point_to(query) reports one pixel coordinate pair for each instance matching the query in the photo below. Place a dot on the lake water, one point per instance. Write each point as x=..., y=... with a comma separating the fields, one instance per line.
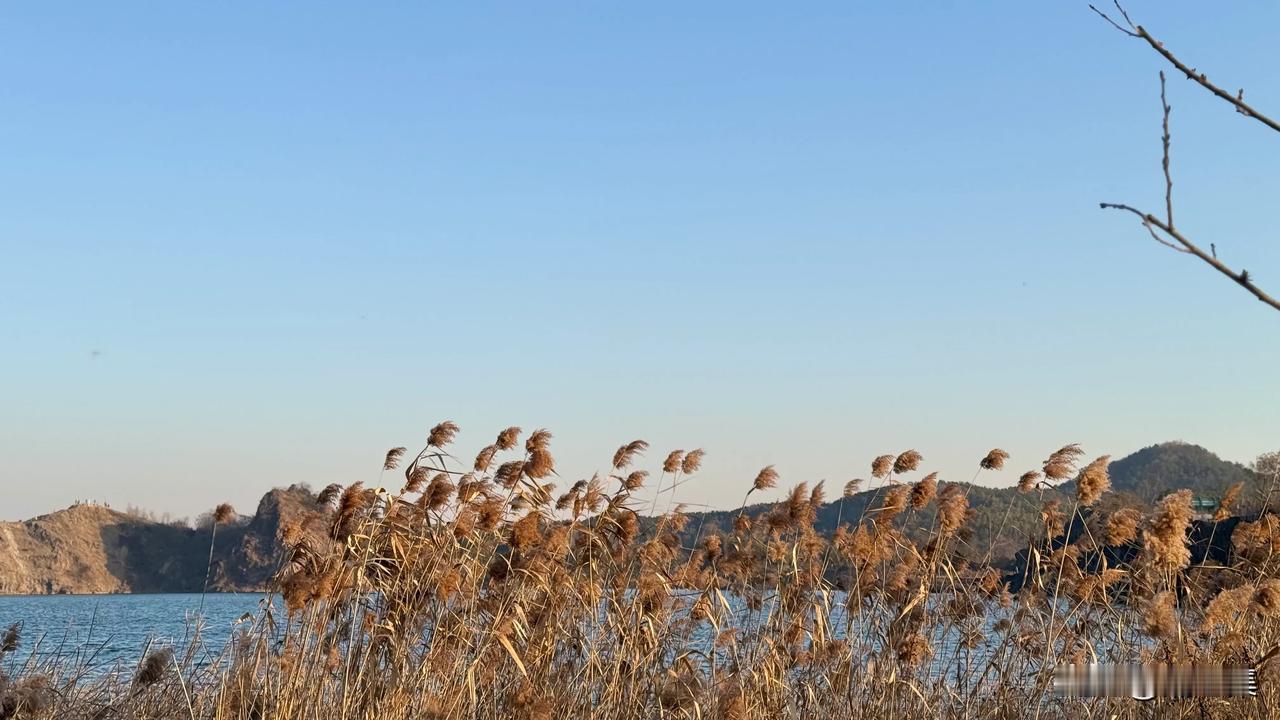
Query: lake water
x=103, y=631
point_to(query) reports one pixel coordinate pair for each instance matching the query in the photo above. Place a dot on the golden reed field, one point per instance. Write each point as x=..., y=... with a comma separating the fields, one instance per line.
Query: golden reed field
x=486, y=589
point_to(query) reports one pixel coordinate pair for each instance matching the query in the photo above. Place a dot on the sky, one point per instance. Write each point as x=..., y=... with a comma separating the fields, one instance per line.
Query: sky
x=244, y=244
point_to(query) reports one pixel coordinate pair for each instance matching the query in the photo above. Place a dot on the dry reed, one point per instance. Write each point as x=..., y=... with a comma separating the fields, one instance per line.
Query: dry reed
x=486, y=592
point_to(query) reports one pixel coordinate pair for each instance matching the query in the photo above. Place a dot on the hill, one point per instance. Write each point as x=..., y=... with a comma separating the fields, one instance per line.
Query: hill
x=90, y=549
x=1155, y=471
x=1001, y=519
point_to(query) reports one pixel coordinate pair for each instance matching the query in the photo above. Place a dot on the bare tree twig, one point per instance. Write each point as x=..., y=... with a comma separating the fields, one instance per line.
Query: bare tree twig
x=1236, y=100
x=1241, y=278
x=1155, y=236
x=1131, y=32
x=1164, y=162
x=1168, y=235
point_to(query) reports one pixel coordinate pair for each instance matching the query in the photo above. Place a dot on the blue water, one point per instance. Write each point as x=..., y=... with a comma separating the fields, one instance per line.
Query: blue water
x=105, y=632
x=100, y=634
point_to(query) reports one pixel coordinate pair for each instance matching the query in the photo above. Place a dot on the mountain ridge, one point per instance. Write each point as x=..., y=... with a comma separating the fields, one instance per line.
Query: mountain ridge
x=93, y=549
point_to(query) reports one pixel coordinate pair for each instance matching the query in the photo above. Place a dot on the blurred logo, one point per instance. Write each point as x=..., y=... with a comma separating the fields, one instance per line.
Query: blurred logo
x=1147, y=682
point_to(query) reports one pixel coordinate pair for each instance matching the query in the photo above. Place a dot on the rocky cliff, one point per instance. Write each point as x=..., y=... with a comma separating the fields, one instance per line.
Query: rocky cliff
x=92, y=549
x=88, y=549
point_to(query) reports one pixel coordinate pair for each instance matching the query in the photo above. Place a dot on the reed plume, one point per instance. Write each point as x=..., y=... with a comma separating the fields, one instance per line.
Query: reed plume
x=907, y=462
x=11, y=639
x=538, y=440
x=1160, y=618
x=994, y=460
x=881, y=466
x=1093, y=481
x=153, y=668
x=223, y=514
x=393, y=458
x=492, y=592
x=1226, y=608
x=1122, y=526
x=923, y=490
x=895, y=501
x=818, y=495
x=953, y=508
x=354, y=500
x=1053, y=517
x=439, y=491
x=1266, y=599
x=416, y=481
x=1229, y=498
x=635, y=480
x=674, y=462
x=1062, y=463
x=692, y=461
x=442, y=434
x=329, y=494
x=1165, y=536
x=766, y=479
x=508, y=439
x=484, y=458
x=509, y=473
x=540, y=463
x=626, y=454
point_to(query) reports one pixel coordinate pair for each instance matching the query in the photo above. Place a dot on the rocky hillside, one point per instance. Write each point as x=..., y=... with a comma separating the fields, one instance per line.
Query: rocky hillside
x=87, y=549
x=1001, y=519
x=91, y=549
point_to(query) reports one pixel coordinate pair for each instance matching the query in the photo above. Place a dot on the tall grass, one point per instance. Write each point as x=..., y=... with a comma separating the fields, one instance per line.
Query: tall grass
x=484, y=590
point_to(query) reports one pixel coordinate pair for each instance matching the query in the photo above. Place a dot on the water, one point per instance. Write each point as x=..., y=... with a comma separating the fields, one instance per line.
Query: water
x=103, y=633
x=108, y=631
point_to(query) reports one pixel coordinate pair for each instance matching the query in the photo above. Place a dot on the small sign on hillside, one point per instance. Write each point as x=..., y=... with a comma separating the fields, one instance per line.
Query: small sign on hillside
x=1204, y=504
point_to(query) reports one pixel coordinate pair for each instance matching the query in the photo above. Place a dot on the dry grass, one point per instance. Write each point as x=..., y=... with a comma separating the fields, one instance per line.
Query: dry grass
x=482, y=590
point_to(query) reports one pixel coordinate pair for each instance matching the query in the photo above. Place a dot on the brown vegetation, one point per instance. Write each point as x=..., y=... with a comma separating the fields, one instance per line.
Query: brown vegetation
x=491, y=594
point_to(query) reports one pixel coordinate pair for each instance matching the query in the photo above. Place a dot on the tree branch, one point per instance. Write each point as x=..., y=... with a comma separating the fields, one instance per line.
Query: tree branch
x=1236, y=100
x=1164, y=161
x=1168, y=235
x=1151, y=221
x=1131, y=32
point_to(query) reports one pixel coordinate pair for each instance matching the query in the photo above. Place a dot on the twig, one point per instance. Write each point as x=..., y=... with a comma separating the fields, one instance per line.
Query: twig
x=1168, y=179
x=1130, y=32
x=1241, y=278
x=1236, y=100
x=1179, y=242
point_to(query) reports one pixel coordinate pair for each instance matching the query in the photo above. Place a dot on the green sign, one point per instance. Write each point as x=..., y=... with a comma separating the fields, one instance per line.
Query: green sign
x=1204, y=503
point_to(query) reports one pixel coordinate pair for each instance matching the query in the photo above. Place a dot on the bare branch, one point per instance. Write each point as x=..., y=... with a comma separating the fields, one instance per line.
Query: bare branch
x=1241, y=278
x=1151, y=229
x=1168, y=179
x=1168, y=235
x=1115, y=24
x=1236, y=100
x=1162, y=241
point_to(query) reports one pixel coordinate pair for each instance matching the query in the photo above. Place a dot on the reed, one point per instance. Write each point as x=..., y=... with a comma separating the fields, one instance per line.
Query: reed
x=483, y=590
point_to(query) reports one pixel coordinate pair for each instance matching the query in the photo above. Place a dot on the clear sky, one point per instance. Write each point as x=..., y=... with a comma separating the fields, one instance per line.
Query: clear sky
x=246, y=244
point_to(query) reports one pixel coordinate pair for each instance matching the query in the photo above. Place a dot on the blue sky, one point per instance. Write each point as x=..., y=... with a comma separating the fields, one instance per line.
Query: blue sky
x=246, y=245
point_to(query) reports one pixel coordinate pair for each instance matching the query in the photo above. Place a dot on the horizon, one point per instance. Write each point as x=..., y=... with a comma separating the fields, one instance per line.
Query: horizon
x=766, y=497
x=248, y=248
